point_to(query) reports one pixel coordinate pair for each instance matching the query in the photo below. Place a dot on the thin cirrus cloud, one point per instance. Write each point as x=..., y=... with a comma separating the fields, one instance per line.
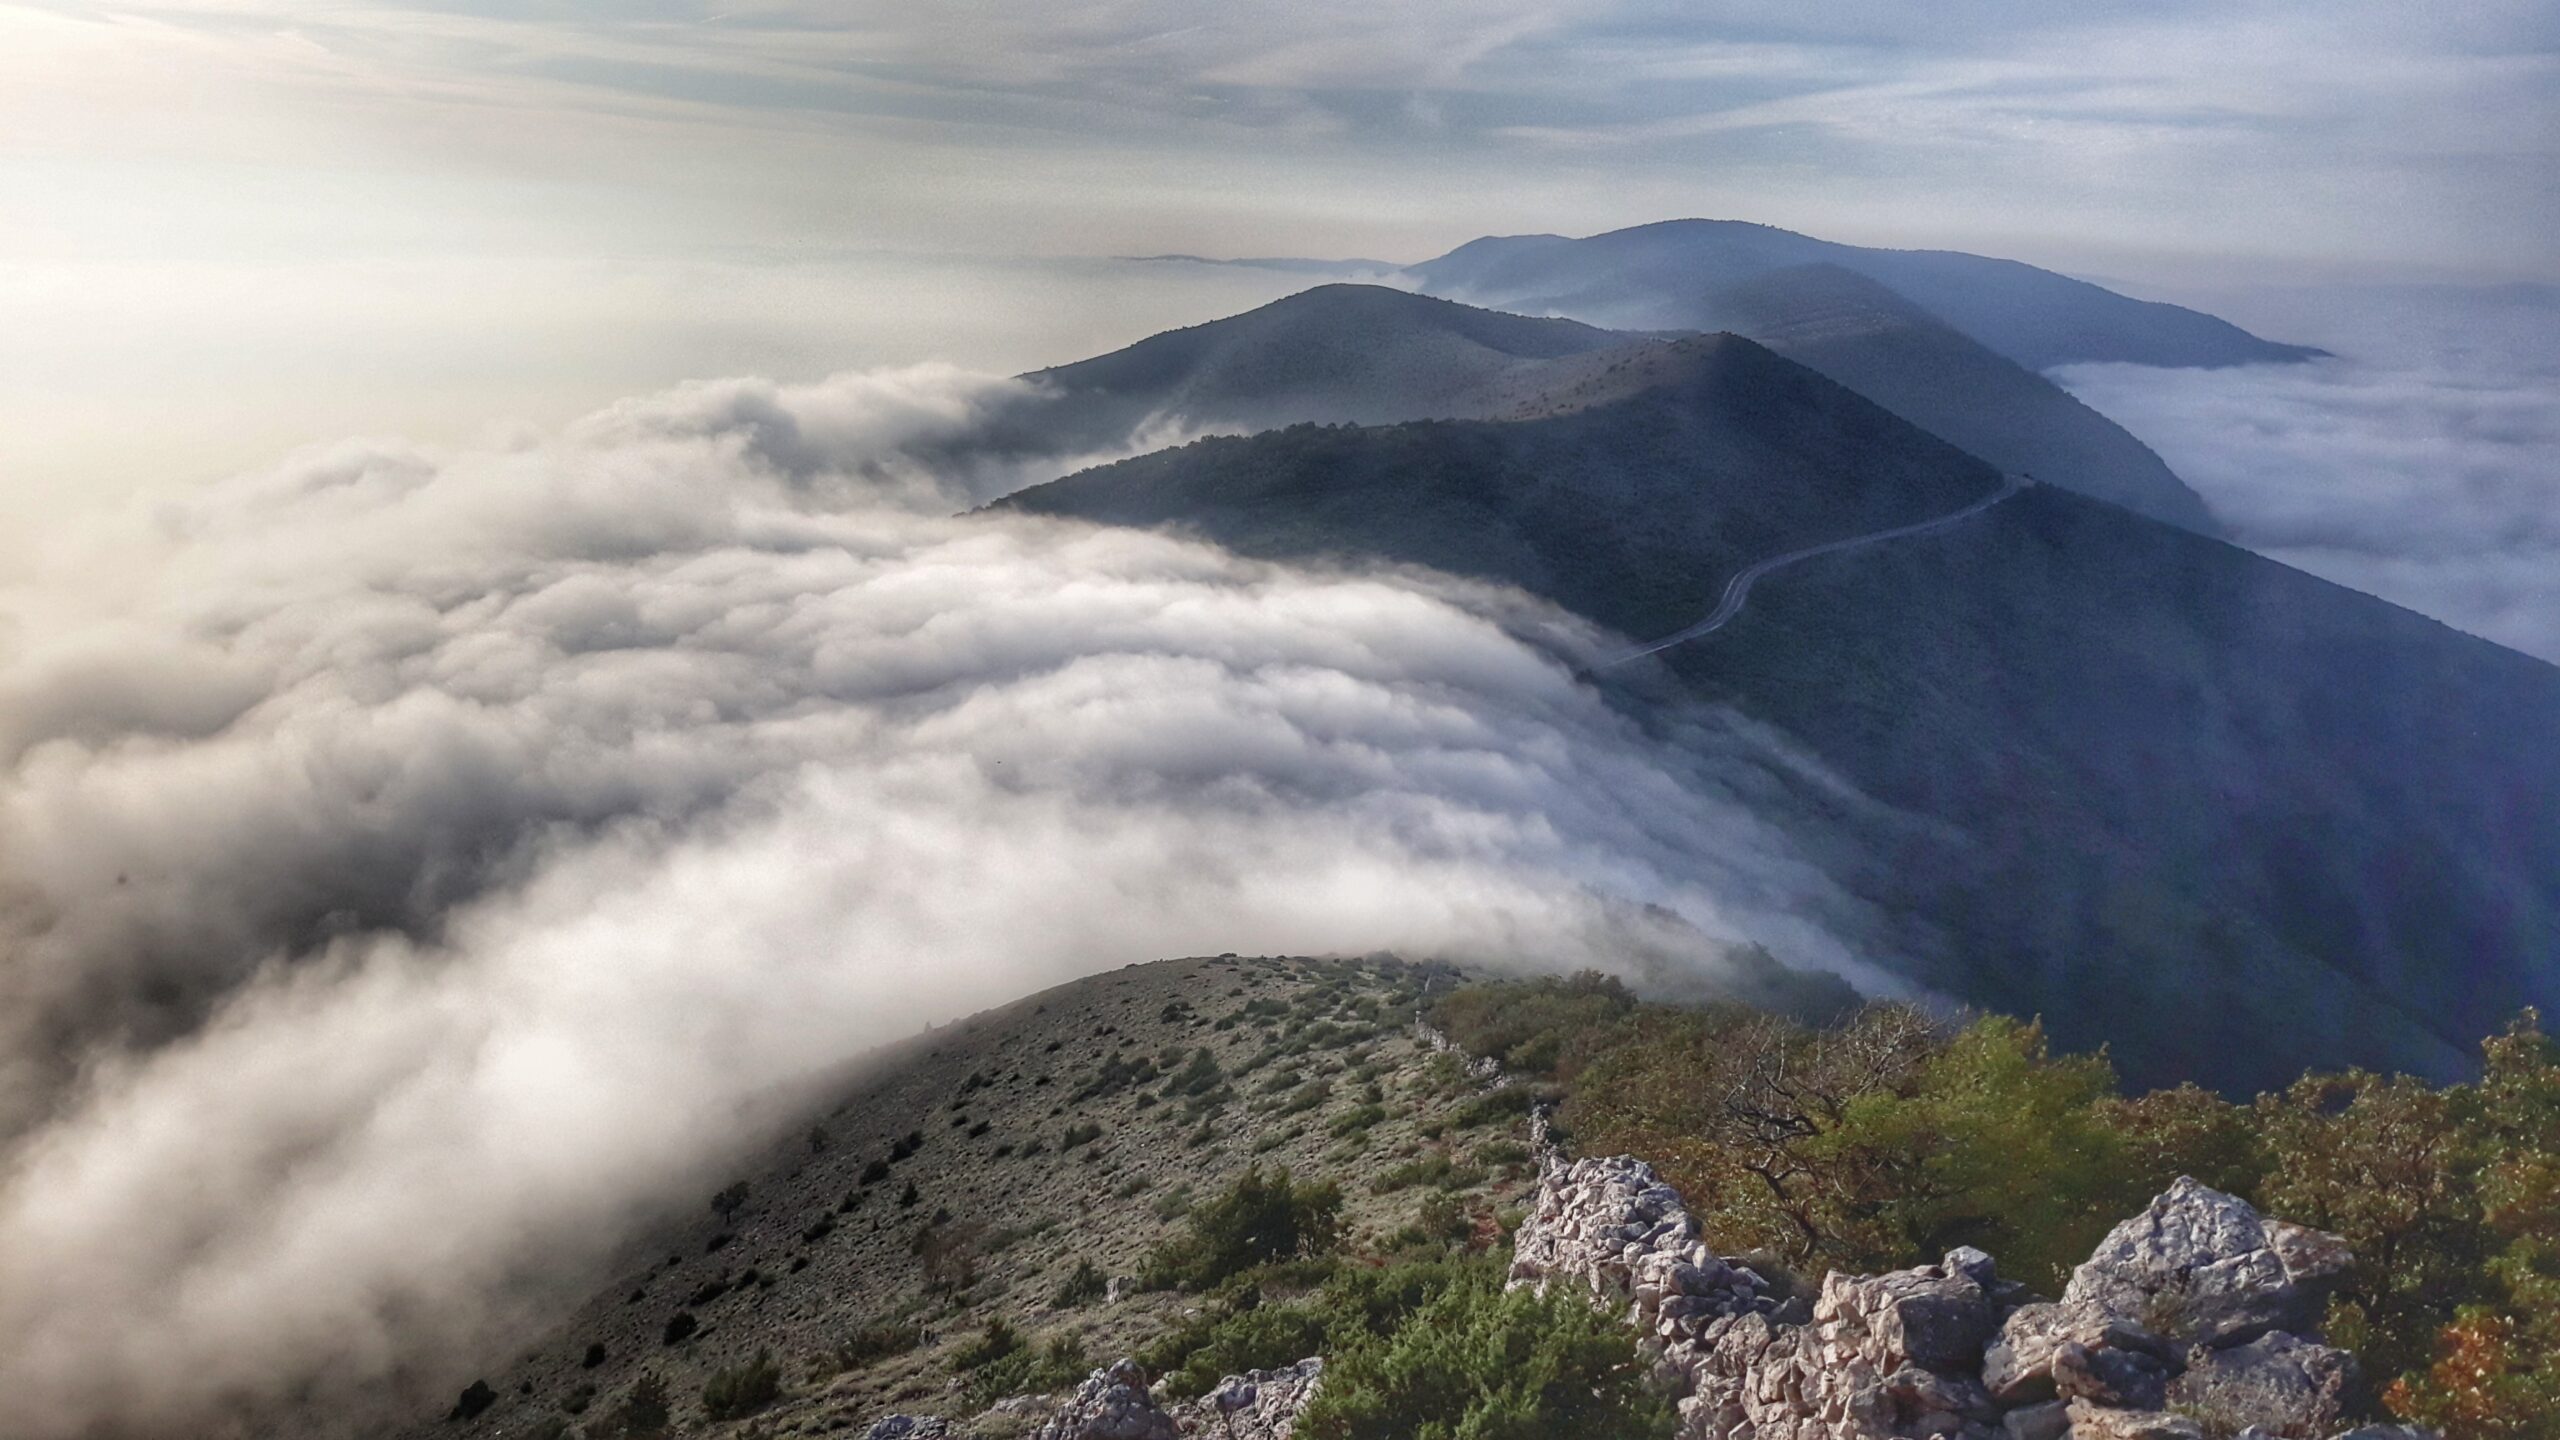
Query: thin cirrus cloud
x=2210, y=122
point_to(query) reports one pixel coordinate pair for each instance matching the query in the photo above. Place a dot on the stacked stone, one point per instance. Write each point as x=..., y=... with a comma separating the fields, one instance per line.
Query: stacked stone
x=2197, y=1306
x=909, y=1427
x=1880, y=1356
x=1257, y=1405
x=2197, y=1314
x=1112, y=1404
x=1483, y=1069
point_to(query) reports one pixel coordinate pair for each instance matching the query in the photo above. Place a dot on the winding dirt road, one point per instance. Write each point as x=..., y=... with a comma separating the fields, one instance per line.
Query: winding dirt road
x=1738, y=589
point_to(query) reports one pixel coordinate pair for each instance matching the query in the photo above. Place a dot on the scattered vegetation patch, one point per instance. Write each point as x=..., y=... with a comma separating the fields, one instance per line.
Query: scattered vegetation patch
x=1262, y=1217
x=1027, y=1370
x=742, y=1389
x=643, y=1413
x=1083, y=1285
x=1477, y=1361
x=1885, y=1138
x=873, y=1343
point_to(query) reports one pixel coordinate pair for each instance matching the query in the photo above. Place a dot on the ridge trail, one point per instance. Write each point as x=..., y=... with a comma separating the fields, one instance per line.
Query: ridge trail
x=1738, y=589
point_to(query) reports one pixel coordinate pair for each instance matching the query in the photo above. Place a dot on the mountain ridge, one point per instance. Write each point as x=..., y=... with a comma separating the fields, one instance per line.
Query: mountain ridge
x=2170, y=767
x=1368, y=354
x=1655, y=276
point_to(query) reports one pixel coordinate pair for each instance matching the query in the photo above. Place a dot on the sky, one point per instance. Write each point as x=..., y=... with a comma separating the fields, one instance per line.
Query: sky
x=282, y=220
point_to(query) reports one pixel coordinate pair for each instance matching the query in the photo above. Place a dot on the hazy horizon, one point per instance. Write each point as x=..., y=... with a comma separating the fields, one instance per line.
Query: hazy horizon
x=289, y=223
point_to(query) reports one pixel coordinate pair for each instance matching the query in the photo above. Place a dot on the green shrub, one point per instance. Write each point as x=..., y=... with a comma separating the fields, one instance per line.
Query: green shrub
x=1355, y=1121
x=994, y=1343
x=743, y=1389
x=1437, y=1170
x=1478, y=1362
x=1494, y=1107
x=1264, y=1216
x=1265, y=1337
x=643, y=1413
x=1444, y=1217
x=873, y=1343
x=1084, y=1285
x=1025, y=1370
x=1199, y=1077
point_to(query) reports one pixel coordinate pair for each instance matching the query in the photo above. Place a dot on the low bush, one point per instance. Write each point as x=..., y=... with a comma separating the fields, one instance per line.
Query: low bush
x=1084, y=1285
x=742, y=1389
x=1478, y=1362
x=1355, y=1121
x=1264, y=1216
x=994, y=1343
x=642, y=1415
x=873, y=1343
x=1027, y=1370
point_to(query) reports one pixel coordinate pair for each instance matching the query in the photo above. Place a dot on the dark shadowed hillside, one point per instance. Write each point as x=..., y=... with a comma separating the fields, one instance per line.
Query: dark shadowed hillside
x=1365, y=354
x=1888, y=349
x=1658, y=277
x=2227, y=818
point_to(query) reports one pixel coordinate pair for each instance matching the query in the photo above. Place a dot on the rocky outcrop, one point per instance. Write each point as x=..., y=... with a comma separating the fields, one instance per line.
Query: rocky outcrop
x=2204, y=1268
x=909, y=1427
x=1880, y=1356
x=1112, y=1404
x=2195, y=1318
x=1257, y=1405
x=1613, y=1226
x=2282, y=1384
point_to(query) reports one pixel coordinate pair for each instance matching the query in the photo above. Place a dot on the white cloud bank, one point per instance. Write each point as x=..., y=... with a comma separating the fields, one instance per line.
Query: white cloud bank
x=414, y=865
x=2422, y=465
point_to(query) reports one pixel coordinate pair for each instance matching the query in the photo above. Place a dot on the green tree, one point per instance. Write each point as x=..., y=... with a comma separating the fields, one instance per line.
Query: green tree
x=2496, y=1371
x=1990, y=1117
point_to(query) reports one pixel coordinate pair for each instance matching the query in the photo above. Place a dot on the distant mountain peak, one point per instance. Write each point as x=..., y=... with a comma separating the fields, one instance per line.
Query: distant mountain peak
x=1652, y=277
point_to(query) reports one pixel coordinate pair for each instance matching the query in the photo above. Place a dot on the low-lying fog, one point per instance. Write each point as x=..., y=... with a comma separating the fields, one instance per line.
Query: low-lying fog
x=416, y=865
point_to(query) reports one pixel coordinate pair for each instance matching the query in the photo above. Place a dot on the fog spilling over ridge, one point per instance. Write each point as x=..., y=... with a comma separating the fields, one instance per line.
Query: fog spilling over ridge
x=417, y=866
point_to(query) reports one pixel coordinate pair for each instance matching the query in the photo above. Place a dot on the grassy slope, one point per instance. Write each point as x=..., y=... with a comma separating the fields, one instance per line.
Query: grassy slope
x=1108, y=1200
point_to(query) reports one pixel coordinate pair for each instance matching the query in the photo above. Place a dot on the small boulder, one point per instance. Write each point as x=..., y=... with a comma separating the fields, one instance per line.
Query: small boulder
x=2289, y=1386
x=1112, y=1404
x=2124, y=1379
x=1931, y=1316
x=2206, y=1268
x=2018, y=1365
x=2100, y=1422
x=2048, y=1421
x=909, y=1427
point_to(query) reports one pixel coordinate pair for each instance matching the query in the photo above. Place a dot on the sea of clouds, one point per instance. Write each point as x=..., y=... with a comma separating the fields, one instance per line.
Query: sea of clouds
x=418, y=867
x=2420, y=464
